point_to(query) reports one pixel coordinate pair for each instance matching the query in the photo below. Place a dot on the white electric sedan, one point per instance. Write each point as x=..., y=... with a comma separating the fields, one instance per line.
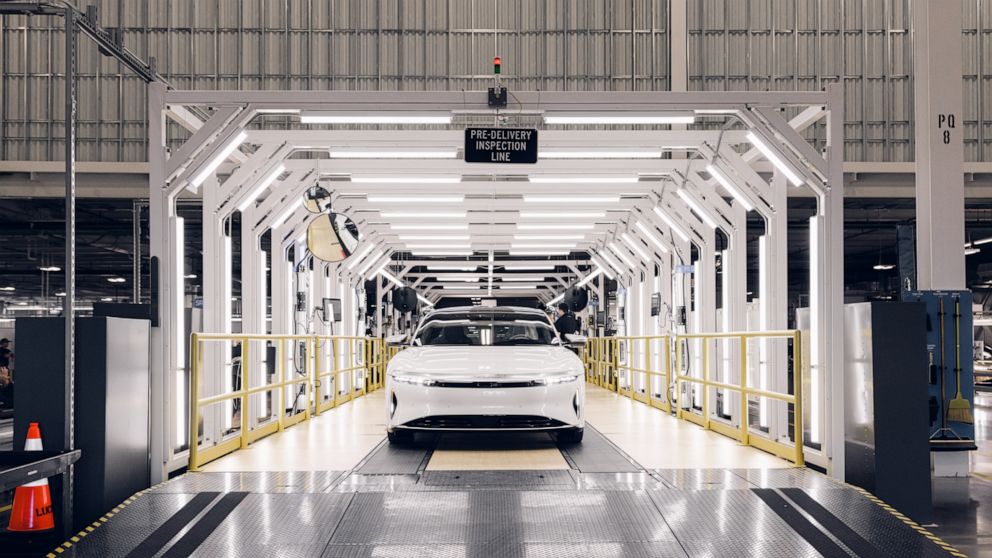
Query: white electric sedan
x=475, y=368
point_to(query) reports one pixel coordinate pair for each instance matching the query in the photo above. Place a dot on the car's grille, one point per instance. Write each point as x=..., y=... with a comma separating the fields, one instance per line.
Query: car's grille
x=488, y=384
x=469, y=422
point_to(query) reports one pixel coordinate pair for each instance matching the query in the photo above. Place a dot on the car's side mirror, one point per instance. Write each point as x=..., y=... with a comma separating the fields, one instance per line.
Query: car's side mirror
x=396, y=340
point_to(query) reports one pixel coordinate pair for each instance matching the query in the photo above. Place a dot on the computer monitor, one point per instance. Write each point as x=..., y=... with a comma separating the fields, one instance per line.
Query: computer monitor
x=332, y=309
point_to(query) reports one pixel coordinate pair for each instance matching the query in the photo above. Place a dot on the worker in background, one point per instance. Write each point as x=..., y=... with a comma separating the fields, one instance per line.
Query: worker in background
x=566, y=322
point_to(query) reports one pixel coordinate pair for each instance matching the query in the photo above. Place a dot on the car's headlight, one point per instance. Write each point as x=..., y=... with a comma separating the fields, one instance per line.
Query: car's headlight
x=555, y=380
x=413, y=380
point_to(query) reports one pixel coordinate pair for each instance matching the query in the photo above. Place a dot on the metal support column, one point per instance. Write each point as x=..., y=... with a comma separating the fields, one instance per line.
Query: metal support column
x=69, y=302
x=939, y=144
x=136, y=252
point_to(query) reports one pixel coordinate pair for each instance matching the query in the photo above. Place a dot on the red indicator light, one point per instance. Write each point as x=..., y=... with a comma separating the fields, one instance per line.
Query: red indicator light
x=497, y=62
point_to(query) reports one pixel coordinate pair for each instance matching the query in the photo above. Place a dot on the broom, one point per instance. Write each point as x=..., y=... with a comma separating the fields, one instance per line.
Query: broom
x=958, y=409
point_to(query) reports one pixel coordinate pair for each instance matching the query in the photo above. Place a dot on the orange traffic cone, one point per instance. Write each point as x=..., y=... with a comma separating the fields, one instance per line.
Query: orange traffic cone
x=32, y=509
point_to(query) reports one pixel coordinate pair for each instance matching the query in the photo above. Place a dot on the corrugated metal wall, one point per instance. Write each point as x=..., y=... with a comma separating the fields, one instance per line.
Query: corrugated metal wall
x=448, y=45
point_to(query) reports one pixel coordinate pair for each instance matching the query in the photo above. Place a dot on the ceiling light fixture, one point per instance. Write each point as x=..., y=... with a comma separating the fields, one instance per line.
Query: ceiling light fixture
x=612, y=263
x=370, y=263
x=404, y=154
x=382, y=271
x=604, y=268
x=422, y=117
x=671, y=224
x=8, y=289
x=406, y=179
x=590, y=277
x=457, y=227
x=116, y=280
x=106, y=299
x=548, y=236
x=730, y=187
x=221, y=156
x=562, y=215
x=262, y=185
x=277, y=111
x=972, y=251
x=582, y=179
x=360, y=256
x=50, y=268
x=704, y=215
x=654, y=240
x=618, y=117
x=562, y=227
x=189, y=276
x=59, y=293
x=586, y=154
x=425, y=300
x=552, y=245
x=616, y=250
x=516, y=252
x=287, y=213
x=373, y=198
x=633, y=244
x=529, y=267
x=441, y=252
x=422, y=214
x=883, y=267
x=406, y=237
x=774, y=159
x=572, y=199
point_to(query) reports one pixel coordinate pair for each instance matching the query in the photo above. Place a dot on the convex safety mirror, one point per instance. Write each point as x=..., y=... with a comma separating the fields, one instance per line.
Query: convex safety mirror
x=317, y=199
x=332, y=237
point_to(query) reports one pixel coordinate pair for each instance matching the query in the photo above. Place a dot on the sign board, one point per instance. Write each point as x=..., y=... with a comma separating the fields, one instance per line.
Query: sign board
x=501, y=145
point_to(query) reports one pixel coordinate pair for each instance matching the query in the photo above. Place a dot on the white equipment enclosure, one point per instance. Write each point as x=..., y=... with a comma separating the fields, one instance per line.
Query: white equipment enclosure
x=636, y=186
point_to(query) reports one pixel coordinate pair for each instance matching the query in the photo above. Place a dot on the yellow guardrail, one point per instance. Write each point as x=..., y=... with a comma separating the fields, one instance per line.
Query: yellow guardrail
x=647, y=382
x=637, y=376
x=327, y=371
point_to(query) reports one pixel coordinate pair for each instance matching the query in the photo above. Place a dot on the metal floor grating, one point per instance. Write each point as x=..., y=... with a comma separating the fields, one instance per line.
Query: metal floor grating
x=255, y=482
x=393, y=459
x=596, y=454
x=126, y=530
x=494, y=479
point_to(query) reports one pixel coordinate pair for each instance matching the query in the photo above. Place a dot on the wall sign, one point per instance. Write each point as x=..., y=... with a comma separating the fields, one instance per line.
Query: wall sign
x=501, y=145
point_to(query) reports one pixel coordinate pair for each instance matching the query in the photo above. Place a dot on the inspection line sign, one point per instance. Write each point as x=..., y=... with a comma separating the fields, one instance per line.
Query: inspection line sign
x=500, y=145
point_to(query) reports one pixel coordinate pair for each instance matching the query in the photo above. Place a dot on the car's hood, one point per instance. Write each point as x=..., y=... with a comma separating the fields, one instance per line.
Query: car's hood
x=474, y=363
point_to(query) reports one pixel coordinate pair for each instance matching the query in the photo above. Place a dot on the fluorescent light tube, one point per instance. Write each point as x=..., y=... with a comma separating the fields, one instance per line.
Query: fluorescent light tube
x=548, y=236
x=287, y=213
x=730, y=187
x=451, y=268
x=606, y=257
x=406, y=237
x=406, y=179
x=572, y=199
x=629, y=154
x=219, y=158
x=422, y=214
x=439, y=246
x=521, y=278
x=589, y=277
x=262, y=185
x=883, y=267
x=456, y=227
x=398, y=154
x=425, y=117
x=582, y=179
x=562, y=227
x=671, y=224
x=616, y=250
x=556, y=299
x=774, y=159
x=604, y=268
x=372, y=198
x=517, y=287
x=654, y=240
x=697, y=208
x=633, y=245
x=441, y=252
x=529, y=267
x=981, y=241
x=382, y=271
x=360, y=256
x=368, y=263
x=971, y=251
x=562, y=215
x=277, y=111
x=618, y=117
x=424, y=299
x=570, y=245
x=515, y=252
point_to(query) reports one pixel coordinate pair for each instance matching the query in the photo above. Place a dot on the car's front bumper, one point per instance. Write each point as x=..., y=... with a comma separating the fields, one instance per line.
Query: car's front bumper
x=487, y=406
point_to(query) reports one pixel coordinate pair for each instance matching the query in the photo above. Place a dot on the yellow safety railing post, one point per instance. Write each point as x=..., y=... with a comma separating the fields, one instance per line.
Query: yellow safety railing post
x=194, y=396
x=678, y=377
x=745, y=411
x=244, y=393
x=281, y=375
x=706, y=383
x=668, y=374
x=798, y=364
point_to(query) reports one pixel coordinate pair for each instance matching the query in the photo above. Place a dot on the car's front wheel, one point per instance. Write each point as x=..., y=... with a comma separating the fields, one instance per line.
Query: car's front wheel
x=399, y=436
x=571, y=436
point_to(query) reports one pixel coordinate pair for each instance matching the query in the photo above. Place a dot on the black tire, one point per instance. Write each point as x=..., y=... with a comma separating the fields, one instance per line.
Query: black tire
x=399, y=436
x=571, y=436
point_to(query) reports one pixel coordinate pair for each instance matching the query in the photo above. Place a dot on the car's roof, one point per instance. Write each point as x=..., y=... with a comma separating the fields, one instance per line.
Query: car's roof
x=489, y=310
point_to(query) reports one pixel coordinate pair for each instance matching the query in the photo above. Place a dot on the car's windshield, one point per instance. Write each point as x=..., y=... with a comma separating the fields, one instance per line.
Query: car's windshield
x=502, y=332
